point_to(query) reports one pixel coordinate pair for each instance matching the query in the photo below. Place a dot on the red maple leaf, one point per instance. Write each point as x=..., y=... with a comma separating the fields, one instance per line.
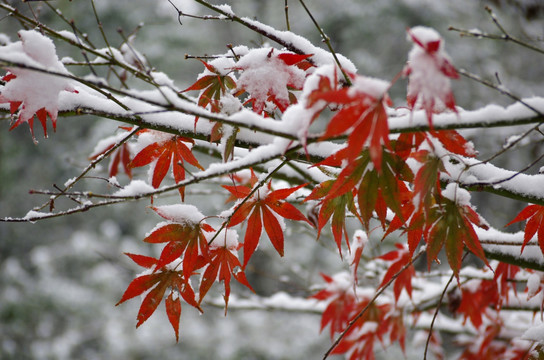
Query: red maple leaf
x=223, y=264
x=35, y=92
x=212, y=85
x=342, y=304
x=427, y=179
x=398, y=259
x=450, y=224
x=335, y=207
x=376, y=190
x=477, y=298
x=363, y=115
x=156, y=284
x=504, y=274
x=120, y=157
x=24, y=115
x=183, y=238
x=534, y=214
x=260, y=209
x=173, y=152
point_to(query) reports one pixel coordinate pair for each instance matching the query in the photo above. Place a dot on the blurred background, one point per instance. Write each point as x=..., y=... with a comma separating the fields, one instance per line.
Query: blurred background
x=60, y=278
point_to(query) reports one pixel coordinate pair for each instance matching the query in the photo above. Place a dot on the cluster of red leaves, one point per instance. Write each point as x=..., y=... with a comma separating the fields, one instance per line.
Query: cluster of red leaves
x=261, y=207
x=420, y=209
x=185, y=240
x=375, y=176
x=477, y=297
x=164, y=153
x=188, y=250
x=378, y=323
x=216, y=84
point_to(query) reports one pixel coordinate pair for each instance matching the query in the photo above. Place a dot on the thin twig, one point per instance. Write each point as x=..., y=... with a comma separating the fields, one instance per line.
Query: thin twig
x=250, y=25
x=507, y=36
x=436, y=314
x=513, y=97
x=286, y=8
x=89, y=167
x=327, y=41
x=197, y=178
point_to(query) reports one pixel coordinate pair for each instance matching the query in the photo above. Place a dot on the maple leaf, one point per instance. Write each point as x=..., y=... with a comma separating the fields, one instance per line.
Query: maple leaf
x=213, y=84
x=376, y=190
x=360, y=239
x=504, y=274
x=477, y=297
x=35, y=93
x=334, y=207
x=184, y=235
x=398, y=259
x=260, y=210
x=223, y=264
x=451, y=140
x=534, y=214
x=376, y=322
x=450, y=224
x=342, y=302
x=120, y=157
x=267, y=75
x=363, y=115
x=485, y=347
x=344, y=309
x=169, y=150
x=454, y=142
x=429, y=71
x=156, y=284
x=427, y=180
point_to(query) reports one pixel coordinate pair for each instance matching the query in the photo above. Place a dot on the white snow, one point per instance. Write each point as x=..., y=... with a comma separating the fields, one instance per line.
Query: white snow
x=180, y=213
x=226, y=238
x=265, y=74
x=226, y=9
x=36, y=90
x=428, y=81
x=32, y=216
x=370, y=86
x=135, y=188
x=533, y=285
x=457, y=194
